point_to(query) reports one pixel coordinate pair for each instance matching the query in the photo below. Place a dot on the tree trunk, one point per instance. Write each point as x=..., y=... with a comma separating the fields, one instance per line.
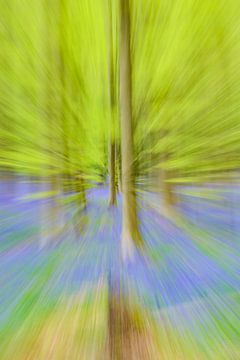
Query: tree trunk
x=80, y=189
x=112, y=94
x=130, y=232
x=119, y=168
x=112, y=175
x=62, y=106
x=121, y=327
x=169, y=196
x=53, y=211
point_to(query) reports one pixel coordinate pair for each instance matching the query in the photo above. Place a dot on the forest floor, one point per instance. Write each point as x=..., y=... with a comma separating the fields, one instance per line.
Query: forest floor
x=184, y=287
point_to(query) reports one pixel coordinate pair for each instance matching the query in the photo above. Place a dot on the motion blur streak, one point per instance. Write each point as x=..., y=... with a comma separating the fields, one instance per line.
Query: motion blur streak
x=119, y=180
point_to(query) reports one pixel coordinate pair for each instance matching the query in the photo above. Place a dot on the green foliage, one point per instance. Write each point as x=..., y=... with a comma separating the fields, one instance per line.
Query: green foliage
x=55, y=111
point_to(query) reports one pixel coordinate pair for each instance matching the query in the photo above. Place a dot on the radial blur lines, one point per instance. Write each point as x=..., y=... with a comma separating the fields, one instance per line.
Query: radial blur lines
x=119, y=180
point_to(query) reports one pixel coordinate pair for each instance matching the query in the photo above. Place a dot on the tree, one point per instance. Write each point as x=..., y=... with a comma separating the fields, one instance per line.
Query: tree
x=113, y=105
x=130, y=231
